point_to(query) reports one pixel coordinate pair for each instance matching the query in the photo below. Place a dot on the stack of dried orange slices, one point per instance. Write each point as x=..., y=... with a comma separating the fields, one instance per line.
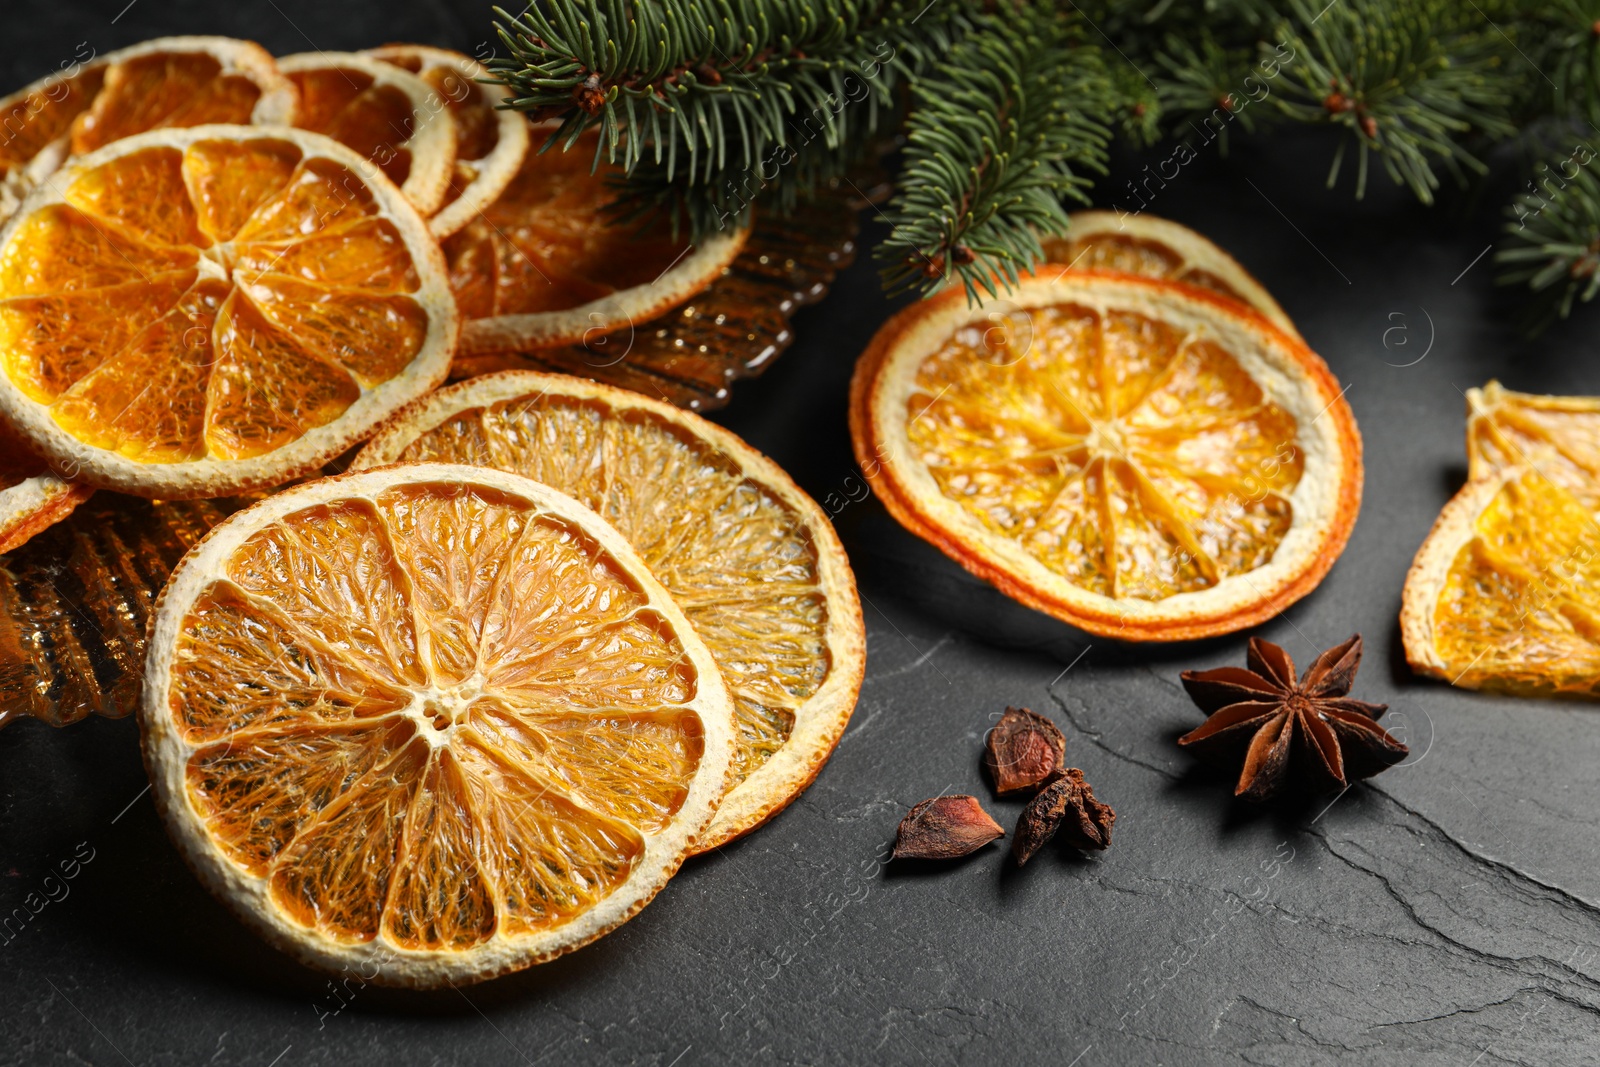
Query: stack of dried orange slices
x=1141, y=457
x=1505, y=592
x=470, y=705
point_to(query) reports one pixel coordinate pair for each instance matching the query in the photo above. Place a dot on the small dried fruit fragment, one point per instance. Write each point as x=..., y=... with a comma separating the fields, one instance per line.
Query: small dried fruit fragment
x=1022, y=752
x=1067, y=805
x=945, y=828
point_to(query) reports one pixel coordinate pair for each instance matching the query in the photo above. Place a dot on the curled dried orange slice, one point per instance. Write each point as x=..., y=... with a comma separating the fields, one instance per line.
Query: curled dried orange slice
x=1159, y=248
x=434, y=721
x=388, y=115
x=752, y=560
x=31, y=497
x=169, y=81
x=544, y=266
x=201, y=311
x=1505, y=592
x=1141, y=459
x=490, y=142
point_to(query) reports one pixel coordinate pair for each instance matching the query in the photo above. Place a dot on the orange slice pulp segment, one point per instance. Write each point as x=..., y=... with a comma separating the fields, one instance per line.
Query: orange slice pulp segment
x=1559, y=436
x=385, y=114
x=491, y=142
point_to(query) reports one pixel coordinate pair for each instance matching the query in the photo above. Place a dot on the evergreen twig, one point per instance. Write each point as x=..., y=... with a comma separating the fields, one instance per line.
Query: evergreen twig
x=1006, y=106
x=1000, y=134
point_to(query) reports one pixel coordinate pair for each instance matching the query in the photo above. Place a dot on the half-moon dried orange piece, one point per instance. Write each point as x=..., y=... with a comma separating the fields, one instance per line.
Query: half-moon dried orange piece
x=31, y=497
x=1505, y=592
x=491, y=142
x=430, y=723
x=1159, y=248
x=193, y=312
x=752, y=560
x=544, y=265
x=169, y=81
x=1141, y=459
x=391, y=117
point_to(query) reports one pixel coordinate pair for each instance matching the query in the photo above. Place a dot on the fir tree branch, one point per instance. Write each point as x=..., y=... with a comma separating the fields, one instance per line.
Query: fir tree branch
x=999, y=133
x=697, y=87
x=1553, y=235
x=1564, y=49
x=1410, y=80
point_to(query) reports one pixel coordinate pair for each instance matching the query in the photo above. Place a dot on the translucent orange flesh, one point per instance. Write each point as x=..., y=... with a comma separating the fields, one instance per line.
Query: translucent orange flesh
x=1133, y=255
x=737, y=560
x=374, y=120
x=163, y=89
x=547, y=244
x=1559, y=440
x=42, y=116
x=1520, y=607
x=217, y=301
x=439, y=714
x=1129, y=458
x=477, y=122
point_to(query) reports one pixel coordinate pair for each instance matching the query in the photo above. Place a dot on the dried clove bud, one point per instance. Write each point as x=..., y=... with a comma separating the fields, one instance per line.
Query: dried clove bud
x=1022, y=752
x=1067, y=805
x=589, y=95
x=945, y=828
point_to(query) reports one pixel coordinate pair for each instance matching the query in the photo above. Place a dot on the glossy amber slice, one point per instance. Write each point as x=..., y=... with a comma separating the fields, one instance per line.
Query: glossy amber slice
x=548, y=243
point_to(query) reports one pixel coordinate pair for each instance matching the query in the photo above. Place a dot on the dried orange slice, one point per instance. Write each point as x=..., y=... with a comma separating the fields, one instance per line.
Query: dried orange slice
x=1159, y=248
x=543, y=266
x=436, y=721
x=1505, y=592
x=169, y=81
x=392, y=117
x=752, y=560
x=31, y=497
x=201, y=311
x=1141, y=459
x=491, y=143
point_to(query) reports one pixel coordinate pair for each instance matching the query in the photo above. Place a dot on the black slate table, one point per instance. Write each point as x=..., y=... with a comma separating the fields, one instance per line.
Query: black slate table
x=1448, y=914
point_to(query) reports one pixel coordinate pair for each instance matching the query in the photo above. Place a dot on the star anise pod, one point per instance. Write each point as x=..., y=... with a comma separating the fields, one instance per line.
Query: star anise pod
x=1283, y=729
x=1067, y=804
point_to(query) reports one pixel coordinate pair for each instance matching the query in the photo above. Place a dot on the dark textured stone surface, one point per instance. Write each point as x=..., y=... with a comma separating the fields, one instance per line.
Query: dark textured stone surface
x=1448, y=914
